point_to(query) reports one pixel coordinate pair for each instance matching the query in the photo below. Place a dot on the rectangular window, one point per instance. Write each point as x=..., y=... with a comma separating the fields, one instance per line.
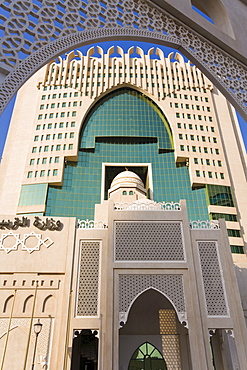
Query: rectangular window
x=203, y=138
x=210, y=119
x=42, y=173
x=44, y=160
x=54, y=96
x=217, y=151
x=43, y=97
x=29, y=174
x=187, y=106
x=180, y=136
x=65, y=95
x=51, y=115
x=190, y=126
x=40, y=116
x=48, y=136
x=71, y=135
x=75, y=104
x=196, y=160
x=200, y=118
x=205, y=150
x=192, y=137
x=38, y=127
x=219, y=164
x=62, y=114
x=46, y=148
x=34, y=150
x=64, y=104
x=214, y=140
x=193, y=149
x=182, y=148
x=208, y=162
x=36, y=138
x=72, y=124
x=49, y=126
x=42, y=106
x=210, y=174
x=179, y=125
x=197, y=173
x=58, y=147
x=56, y=160
x=76, y=94
x=222, y=176
x=73, y=113
x=70, y=146
x=189, y=116
x=59, y=136
x=55, y=172
x=53, y=105
x=178, y=115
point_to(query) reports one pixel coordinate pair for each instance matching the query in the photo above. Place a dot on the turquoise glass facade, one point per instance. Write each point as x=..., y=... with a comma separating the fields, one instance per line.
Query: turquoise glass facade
x=128, y=115
x=34, y=194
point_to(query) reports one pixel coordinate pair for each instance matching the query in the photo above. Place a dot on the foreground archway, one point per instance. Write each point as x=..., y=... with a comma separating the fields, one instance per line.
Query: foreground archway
x=135, y=20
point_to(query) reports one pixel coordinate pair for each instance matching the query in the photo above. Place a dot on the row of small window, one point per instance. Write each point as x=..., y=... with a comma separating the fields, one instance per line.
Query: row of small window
x=53, y=115
x=234, y=233
x=187, y=106
x=60, y=95
x=49, y=136
x=192, y=137
x=55, y=125
x=130, y=192
x=63, y=105
x=44, y=160
x=190, y=126
x=194, y=149
x=42, y=173
x=186, y=97
x=210, y=174
x=207, y=161
x=58, y=147
x=189, y=116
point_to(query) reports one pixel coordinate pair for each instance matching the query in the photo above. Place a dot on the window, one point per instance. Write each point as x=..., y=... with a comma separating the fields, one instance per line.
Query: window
x=43, y=97
x=54, y=96
x=180, y=136
x=219, y=164
x=196, y=160
x=217, y=151
x=190, y=126
x=192, y=137
x=210, y=174
x=55, y=172
x=214, y=140
x=72, y=124
x=208, y=162
x=44, y=160
x=46, y=148
x=193, y=149
x=205, y=150
x=203, y=138
x=200, y=118
x=198, y=107
x=210, y=119
x=62, y=114
x=29, y=174
x=197, y=173
x=51, y=115
x=38, y=127
x=178, y=115
x=75, y=104
x=36, y=138
x=176, y=105
x=182, y=148
x=71, y=135
x=56, y=160
x=179, y=125
x=73, y=113
x=70, y=146
x=76, y=94
x=42, y=106
x=59, y=136
x=124, y=192
x=64, y=104
x=34, y=150
x=222, y=176
x=40, y=116
x=48, y=136
x=58, y=147
x=131, y=192
x=49, y=126
x=42, y=173
x=189, y=116
x=65, y=95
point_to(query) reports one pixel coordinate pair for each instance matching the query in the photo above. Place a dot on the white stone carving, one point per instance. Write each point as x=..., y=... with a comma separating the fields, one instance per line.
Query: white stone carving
x=212, y=225
x=55, y=27
x=91, y=224
x=144, y=206
x=47, y=242
x=14, y=247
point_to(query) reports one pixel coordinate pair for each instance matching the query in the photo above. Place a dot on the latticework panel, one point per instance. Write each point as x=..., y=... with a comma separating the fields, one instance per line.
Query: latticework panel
x=212, y=279
x=89, y=279
x=130, y=286
x=170, y=340
x=148, y=241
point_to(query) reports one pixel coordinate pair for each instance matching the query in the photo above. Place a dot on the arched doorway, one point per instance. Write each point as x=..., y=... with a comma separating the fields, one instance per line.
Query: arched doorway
x=147, y=357
x=153, y=331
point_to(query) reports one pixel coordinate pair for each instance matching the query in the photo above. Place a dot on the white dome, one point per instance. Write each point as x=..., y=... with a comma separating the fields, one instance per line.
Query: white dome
x=127, y=178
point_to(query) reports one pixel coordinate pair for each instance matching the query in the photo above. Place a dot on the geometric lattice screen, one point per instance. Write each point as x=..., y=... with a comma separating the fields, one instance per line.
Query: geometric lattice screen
x=212, y=279
x=130, y=286
x=170, y=339
x=89, y=279
x=148, y=241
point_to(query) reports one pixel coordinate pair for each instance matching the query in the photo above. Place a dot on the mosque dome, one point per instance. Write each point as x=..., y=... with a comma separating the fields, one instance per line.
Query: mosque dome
x=127, y=179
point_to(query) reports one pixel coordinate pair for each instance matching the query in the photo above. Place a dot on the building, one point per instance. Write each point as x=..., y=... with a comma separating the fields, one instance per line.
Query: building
x=103, y=151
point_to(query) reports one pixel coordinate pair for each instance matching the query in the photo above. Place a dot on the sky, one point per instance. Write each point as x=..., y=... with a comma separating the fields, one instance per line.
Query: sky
x=6, y=115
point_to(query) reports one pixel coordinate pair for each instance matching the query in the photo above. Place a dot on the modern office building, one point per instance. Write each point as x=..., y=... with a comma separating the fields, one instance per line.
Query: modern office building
x=116, y=170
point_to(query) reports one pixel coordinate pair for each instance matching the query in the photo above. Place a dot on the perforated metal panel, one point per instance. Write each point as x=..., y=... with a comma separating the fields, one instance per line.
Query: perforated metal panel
x=88, y=279
x=212, y=279
x=148, y=241
x=130, y=286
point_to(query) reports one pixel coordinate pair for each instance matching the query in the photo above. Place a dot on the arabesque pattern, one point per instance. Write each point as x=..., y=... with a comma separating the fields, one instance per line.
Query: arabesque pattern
x=39, y=31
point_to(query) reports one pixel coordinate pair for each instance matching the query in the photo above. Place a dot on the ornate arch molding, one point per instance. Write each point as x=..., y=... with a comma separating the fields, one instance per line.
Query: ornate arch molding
x=132, y=286
x=60, y=26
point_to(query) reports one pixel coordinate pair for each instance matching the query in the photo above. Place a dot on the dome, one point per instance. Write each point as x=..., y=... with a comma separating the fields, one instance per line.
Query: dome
x=127, y=178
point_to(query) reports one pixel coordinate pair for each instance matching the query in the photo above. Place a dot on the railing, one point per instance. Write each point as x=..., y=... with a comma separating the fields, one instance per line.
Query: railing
x=91, y=224
x=200, y=225
x=147, y=206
